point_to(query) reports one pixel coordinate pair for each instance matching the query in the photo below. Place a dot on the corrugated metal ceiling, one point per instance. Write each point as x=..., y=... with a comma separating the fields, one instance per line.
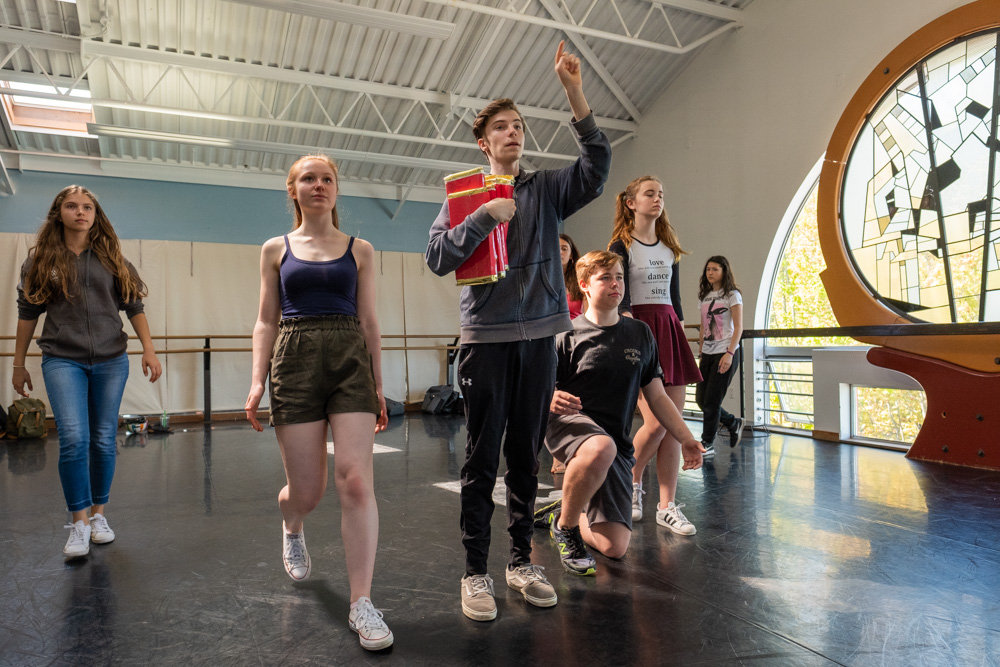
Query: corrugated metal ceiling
x=214, y=90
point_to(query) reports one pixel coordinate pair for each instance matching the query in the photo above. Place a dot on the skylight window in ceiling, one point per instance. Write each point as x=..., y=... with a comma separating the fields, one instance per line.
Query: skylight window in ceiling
x=45, y=109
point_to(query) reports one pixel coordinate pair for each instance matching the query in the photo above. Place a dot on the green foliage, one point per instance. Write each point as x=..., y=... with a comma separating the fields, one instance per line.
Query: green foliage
x=889, y=414
x=798, y=299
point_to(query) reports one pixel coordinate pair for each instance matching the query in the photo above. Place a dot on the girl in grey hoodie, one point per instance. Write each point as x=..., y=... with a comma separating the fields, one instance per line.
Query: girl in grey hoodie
x=77, y=275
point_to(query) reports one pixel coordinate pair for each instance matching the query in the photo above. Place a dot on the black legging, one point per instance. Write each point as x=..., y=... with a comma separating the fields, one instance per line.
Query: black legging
x=710, y=392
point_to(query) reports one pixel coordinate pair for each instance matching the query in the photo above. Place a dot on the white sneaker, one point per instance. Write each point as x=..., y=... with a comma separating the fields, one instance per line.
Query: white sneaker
x=78, y=544
x=637, y=500
x=671, y=517
x=294, y=554
x=100, y=531
x=367, y=621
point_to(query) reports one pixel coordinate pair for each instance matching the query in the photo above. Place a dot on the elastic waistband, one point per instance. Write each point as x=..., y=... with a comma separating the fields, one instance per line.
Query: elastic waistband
x=348, y=322
x=652, y=308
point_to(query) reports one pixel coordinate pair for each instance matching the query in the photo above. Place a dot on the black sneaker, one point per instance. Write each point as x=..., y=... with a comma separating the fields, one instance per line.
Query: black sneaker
x=709, y=450
x=546, y=515
x=572, y=551
x=736, y=431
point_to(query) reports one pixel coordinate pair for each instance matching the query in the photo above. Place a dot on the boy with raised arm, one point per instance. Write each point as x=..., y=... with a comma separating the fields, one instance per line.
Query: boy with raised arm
x=604, y=362
x=508, y=361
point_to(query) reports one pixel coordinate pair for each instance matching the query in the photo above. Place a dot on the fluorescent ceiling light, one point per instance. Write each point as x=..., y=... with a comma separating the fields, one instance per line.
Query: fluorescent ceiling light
x=366, y=16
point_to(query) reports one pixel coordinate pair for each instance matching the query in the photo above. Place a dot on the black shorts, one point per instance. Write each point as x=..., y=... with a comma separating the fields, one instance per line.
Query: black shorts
x=611, y=502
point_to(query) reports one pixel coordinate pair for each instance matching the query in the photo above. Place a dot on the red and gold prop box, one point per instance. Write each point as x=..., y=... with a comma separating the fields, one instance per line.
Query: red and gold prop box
x=467, y=191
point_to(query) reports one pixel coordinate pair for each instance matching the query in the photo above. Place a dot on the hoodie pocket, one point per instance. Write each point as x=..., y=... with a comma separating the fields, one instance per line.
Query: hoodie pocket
x=474, y=297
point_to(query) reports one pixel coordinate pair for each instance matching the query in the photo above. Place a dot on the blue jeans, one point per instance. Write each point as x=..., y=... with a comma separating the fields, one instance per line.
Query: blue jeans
x=85, y=400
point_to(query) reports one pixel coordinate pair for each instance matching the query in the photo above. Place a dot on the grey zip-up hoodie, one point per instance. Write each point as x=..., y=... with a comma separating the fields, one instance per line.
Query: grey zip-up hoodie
x=530, y=302
x=86, y=328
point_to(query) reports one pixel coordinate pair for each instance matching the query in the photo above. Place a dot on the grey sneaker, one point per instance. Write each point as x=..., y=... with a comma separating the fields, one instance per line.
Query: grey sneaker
x=100, y=531
x=637, y=500
x=529, y=581
x=294, y=554
x=477, y=597
x=78, y=544
x=736, y=432
x=671, y=517
x=367, y=621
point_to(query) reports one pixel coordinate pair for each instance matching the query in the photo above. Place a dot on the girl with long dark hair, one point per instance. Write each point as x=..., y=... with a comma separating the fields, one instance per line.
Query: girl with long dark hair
x=76, y=274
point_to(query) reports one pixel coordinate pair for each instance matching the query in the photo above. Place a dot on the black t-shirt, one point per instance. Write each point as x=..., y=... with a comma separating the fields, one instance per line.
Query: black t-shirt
x=605, y=367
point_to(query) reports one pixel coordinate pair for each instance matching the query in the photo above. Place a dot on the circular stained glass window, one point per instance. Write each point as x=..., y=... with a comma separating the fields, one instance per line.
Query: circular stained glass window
x=920, y=202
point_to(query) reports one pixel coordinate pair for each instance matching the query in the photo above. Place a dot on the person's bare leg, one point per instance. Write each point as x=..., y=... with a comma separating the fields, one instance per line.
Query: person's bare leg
x=668, y=455
x=303, y=451
x=608, y=537
x=353, y=475
x=585, y=473
x=646, y=441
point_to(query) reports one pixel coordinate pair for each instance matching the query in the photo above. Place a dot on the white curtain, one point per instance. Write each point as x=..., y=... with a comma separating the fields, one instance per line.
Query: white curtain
x=212, y=289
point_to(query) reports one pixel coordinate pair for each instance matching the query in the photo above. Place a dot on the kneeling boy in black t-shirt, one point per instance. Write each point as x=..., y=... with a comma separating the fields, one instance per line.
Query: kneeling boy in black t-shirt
x=603, y=364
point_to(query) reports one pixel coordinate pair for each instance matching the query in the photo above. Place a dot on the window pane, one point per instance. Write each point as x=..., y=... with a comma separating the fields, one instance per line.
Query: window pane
x=888, y=414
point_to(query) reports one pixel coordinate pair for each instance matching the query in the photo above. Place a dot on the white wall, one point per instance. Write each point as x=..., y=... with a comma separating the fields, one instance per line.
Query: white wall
x=213, y=289
x=736, y=134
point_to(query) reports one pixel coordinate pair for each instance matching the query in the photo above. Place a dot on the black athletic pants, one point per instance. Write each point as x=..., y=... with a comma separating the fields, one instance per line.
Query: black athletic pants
x=506, y=386
x=710, y=392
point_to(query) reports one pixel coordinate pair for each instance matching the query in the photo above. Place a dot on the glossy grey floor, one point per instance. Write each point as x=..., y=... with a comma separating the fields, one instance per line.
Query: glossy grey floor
x=806, y=554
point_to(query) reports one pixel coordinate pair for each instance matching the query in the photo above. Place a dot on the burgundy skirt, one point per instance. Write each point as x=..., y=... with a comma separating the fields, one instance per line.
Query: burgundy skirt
x=676, y=359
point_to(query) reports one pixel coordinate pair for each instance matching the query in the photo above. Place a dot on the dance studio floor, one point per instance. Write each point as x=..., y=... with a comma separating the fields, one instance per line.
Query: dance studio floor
x=806, y=554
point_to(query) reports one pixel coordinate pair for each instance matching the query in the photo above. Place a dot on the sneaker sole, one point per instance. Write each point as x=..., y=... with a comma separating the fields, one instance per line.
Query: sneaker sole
x=303, y=577
x=585, y=573
x=101, y=541
x=677, y=531
x=376, y=644
x=538, y=602
x=479, y=615
x=74, y=556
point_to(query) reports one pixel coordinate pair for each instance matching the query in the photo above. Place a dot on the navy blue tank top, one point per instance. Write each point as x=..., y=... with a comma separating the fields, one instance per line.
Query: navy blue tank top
x=311, y=289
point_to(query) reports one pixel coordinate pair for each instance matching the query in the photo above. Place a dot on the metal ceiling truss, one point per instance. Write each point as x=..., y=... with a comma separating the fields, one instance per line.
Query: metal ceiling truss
x=631, y=35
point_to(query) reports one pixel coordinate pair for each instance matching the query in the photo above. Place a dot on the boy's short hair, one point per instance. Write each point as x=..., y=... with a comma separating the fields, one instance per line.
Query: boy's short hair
x=593, y=262
x=490, y=110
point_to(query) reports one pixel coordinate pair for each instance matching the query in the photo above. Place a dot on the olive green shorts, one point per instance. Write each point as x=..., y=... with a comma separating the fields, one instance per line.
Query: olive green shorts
x=320, y=366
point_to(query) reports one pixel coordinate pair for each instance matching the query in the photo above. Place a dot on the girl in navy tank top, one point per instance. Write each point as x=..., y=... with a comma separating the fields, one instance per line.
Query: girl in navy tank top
x=317, y=340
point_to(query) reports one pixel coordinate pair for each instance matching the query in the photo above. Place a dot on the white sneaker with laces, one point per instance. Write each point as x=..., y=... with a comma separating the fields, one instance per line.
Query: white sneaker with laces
x=294, y=554
x=367, y=621
x=78, y=544
x=671, y=517
x=637, y=500
x=100, y=531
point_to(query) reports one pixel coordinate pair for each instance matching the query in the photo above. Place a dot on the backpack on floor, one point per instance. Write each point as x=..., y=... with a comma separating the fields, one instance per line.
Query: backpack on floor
x=439, y=400
x=393, y=408
x=26, y=419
